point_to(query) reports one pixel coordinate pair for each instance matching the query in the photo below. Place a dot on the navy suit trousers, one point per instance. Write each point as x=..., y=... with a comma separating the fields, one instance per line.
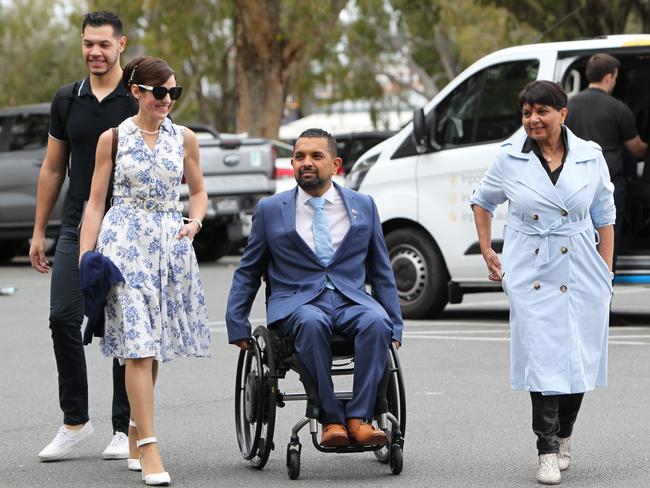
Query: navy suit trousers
x=312, y=326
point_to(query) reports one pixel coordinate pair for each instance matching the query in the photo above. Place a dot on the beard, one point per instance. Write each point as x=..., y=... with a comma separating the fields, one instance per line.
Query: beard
x=310, y=184
x=110, y=62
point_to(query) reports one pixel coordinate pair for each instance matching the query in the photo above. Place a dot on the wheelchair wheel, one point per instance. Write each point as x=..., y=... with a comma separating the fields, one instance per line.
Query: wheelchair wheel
x=396, y=399
x=255, y=391
x=293, y=463
x=396, y=459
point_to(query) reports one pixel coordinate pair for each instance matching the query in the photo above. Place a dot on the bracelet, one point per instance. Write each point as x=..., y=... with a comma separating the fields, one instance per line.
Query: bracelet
x=189, y=221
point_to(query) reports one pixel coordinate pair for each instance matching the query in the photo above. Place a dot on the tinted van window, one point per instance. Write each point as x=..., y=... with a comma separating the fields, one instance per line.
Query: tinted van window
x=484, y=107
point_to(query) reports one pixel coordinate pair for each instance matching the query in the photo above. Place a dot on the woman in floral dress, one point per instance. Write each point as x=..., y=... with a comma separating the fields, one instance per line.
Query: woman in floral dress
x=159, y=312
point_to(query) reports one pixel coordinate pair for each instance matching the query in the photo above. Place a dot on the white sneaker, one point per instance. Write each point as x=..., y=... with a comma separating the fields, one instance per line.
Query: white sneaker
x=65, y=441
x=565, y=453
x=118, y=448
x=548, y=471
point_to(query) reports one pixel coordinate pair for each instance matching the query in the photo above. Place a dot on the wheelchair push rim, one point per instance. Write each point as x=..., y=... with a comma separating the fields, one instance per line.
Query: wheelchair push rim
x=396, y=398
x=255, y=402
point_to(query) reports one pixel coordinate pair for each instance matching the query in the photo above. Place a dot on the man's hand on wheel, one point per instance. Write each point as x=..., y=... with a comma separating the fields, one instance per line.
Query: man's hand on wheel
x=243, y=344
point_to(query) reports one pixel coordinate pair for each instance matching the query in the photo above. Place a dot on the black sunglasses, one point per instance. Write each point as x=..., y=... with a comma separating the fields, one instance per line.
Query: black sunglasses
x=160, y=92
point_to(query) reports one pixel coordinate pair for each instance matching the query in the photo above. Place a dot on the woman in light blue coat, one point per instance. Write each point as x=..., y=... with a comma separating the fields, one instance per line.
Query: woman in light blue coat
x=557, y=261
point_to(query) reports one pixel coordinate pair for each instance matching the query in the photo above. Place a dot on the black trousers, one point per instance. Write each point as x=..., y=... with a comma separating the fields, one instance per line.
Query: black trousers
x=553, y=418
x=66, y=316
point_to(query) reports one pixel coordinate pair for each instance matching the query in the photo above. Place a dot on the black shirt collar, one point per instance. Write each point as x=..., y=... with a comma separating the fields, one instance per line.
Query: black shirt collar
x=85, y=90
x=531, y=145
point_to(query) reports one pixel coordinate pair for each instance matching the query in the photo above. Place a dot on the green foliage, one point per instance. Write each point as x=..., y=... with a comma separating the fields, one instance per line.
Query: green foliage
x=37, y=46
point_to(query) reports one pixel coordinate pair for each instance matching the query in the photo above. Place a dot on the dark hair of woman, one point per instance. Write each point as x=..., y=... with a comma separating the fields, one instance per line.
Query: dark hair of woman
x=146, y=70
x=543, y=92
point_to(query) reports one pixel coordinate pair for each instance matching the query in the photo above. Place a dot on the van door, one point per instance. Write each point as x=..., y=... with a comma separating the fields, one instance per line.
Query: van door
x=470, y=125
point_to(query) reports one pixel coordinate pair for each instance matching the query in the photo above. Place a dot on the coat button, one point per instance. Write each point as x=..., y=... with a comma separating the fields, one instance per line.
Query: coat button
x=535, y=217
x=564, y=213
x=564, y=250
x=537, y=251
x=563, y=288
x=537, y=285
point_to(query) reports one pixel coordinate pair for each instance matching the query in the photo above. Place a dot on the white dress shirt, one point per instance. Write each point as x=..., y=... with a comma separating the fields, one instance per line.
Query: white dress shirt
x=335, y=212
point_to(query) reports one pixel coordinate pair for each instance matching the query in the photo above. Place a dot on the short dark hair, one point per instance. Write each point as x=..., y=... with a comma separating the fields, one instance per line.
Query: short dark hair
x=320, y=134
x=600, y=65
x=102, y=17
x=543, y=92
x=146, y=70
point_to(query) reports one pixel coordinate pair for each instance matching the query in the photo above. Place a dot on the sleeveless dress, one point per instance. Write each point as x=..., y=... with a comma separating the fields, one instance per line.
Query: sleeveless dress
x=159, y=311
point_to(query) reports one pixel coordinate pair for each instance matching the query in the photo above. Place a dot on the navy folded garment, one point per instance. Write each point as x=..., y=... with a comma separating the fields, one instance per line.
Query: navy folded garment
x=97, y=274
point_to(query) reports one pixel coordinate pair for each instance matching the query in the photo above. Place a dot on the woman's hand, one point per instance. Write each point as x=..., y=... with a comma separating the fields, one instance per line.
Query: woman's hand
x=493, y=264
x=189, y=230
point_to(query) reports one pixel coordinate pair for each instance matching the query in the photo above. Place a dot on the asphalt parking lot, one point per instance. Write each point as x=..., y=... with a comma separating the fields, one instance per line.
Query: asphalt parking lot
x=465, y=427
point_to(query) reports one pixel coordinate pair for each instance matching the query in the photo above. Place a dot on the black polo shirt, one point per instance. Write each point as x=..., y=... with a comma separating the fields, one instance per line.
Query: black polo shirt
x=597, y=116
x=87, y=119
x=531, y=145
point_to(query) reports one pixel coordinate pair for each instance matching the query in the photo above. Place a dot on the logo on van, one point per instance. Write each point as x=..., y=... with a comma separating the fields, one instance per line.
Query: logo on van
x=231, y=159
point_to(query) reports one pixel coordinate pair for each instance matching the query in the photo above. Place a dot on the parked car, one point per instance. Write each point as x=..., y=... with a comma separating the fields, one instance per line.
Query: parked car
x=238, y=172
x=423, y=177
x=23, y=139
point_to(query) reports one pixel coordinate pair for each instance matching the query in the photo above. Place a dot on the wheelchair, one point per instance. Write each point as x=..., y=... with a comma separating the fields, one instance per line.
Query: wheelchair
x=257, y=394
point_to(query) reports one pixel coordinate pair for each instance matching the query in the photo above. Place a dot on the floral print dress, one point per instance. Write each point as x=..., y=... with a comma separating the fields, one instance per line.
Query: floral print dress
x=159, y=311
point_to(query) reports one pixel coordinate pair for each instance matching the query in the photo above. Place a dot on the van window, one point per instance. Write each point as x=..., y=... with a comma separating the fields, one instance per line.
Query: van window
x=29, y=132
x=484, y=107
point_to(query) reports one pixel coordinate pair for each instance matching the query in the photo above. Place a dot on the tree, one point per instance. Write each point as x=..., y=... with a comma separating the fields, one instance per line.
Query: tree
x=572, y=19
x=274, y=42
x=38, y=51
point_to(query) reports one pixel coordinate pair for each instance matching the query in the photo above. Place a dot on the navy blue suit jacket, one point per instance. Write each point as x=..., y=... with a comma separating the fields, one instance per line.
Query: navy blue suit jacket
x=295, y=274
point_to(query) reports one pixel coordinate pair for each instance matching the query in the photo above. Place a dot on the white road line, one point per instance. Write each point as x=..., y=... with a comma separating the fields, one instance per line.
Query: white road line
x=629, y=343
x=481, y=331
x=457, y=338
x=630, y=336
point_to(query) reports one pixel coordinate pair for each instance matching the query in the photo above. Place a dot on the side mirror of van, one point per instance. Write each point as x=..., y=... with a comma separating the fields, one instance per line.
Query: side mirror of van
x=423, y=133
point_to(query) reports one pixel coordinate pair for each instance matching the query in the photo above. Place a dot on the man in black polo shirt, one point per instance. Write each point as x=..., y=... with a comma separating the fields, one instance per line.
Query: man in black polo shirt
x=596, y=115
x=94, y=105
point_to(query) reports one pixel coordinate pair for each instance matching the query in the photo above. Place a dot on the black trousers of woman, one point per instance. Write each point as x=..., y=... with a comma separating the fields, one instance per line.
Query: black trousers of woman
x=553, y=418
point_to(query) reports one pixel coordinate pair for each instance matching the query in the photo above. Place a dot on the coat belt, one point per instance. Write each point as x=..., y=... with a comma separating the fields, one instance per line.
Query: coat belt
x=560, y=227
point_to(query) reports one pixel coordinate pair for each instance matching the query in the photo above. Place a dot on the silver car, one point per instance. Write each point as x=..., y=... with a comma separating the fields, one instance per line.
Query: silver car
x=23, y=140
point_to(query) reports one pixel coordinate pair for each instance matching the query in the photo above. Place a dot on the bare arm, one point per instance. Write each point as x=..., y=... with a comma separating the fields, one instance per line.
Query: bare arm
x=483, y=221
x=606, y=245
x=636, y=147
x=194, y=178
x=50, y=179
x=96, y=206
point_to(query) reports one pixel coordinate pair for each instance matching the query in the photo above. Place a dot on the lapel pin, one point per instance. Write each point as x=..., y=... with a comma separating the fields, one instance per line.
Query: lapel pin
x=354, y=213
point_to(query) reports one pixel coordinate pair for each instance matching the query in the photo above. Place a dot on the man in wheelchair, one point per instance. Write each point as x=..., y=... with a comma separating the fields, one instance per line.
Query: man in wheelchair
x=318, y=245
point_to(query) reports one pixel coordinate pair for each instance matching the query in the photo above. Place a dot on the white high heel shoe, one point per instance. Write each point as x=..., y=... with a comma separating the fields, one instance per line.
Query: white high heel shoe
x=154, y=479
x=133, y=464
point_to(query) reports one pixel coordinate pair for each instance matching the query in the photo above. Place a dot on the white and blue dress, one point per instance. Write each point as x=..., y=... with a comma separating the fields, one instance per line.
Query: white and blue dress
x=159, y=311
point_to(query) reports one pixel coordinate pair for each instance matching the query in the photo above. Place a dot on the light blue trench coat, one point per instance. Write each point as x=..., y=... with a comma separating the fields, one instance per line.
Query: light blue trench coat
x=558, y=285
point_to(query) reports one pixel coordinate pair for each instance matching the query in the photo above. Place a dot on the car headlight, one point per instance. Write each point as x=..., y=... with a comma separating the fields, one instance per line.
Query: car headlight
x=359, y=170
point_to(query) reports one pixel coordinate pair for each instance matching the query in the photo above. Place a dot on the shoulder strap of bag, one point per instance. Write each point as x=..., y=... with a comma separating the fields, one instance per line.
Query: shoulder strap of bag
x=109, y=195
x=64, y=97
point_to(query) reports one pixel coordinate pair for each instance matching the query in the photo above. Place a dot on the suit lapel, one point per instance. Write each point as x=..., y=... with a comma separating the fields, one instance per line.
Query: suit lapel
x=354, y=216
x=289, y=221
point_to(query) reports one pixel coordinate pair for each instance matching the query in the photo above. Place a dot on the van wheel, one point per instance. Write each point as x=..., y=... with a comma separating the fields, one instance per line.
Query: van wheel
x=9, y=249
x=211, y=243
x=420, y=273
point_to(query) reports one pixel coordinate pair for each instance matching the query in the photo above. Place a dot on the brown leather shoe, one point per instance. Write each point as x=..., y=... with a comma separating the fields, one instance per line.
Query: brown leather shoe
x=334, y=435
x=365, y=434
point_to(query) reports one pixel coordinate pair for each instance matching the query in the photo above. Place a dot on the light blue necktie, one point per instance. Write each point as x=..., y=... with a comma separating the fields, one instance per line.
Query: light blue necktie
x=321, y=230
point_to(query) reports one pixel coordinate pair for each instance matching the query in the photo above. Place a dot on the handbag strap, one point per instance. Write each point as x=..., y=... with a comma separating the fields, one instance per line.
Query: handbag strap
x=109, y=195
